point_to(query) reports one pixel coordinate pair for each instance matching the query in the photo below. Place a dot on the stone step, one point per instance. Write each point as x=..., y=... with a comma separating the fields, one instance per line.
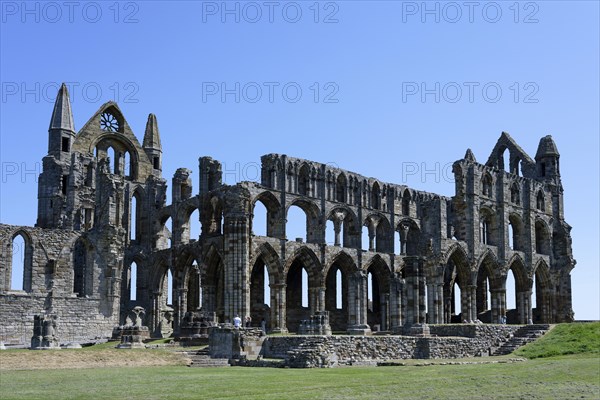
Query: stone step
x=201, y=359
x=199, y=362
x=525, y=334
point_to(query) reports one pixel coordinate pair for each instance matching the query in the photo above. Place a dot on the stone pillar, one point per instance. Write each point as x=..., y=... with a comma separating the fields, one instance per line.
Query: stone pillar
x=371, y=237
x=415, y=293
x=278, y=305
x=472, y=302
x=179, y=309
x=155, y=315
x=236, y=287
x=411, y=295
x=396, y=303
x=498, y=305
x=208, y=298
x=448, y=298
x=524, y=306
x=364, y=288
x=384, y=302
x=358, y=282
x=313, y=299
x=337, y=227
x=430, y=301
x=529, y=308
x=440, y=303
x=321, y=295
x=422, y=307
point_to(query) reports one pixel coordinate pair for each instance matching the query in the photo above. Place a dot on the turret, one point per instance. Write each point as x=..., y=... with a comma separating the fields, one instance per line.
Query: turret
x=152, y=145
x=61, y=132
x=547, y=159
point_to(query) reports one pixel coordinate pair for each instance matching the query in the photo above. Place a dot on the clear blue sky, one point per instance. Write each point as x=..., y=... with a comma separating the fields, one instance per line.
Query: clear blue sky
x=370, y=61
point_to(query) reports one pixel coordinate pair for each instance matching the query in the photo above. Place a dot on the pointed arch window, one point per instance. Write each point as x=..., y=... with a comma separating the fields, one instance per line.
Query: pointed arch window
x=20, y=263
x=406, y=203
x=515, y=194
x=486, y=185
x=340, y=187
x=304, y=181
x=376, y=196
x=539, y=202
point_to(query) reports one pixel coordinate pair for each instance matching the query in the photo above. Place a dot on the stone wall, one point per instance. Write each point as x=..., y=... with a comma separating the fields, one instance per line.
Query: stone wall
x=79, y=320
x=228, y=342
x=322, y=351
x=473, y=330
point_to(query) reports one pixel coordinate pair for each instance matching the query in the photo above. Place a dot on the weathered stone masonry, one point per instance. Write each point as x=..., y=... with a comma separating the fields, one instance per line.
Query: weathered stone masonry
x=78, y=257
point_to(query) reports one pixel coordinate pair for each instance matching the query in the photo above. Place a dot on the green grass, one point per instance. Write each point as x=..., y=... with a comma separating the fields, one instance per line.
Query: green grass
x=559, y=378
x=564, y=339
x=546, y=377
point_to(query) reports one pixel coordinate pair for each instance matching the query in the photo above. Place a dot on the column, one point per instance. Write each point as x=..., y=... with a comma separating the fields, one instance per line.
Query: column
x=440, y=303
x=396, y=303
x=371, y=237
x=358, y=284
x=321, y=296
x=313, y=298
x=430, y=303
x=403, y=238
x=178, y=309
x=278, y=305
x=421, y=307
x=337, y=228
x=385, y=304
x=155, y=323
x=472, y=290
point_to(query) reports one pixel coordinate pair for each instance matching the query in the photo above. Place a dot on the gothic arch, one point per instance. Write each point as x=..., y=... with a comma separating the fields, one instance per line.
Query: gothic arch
x=344, y=261
x=487, y=282
x=338, y=301
x=515, y=194
x=409, y=238
x=457, y=273
x=544, y=298
x=522, y=290
x=406, y=200
x=518, y=232
x=274, y=215
x=135, y=216
x=543, y=238
x=308, y=259
x=378, y=310
x=516, y=264
x=301, y=296
x=488, y=226
x=304, y=181
x=540, y=201
x=312, y=212
x=487, y=185
x=83, y=267
x=341, y=188
x=213, y=280
x=375, y=196
x=27, y=273
x=272, y=261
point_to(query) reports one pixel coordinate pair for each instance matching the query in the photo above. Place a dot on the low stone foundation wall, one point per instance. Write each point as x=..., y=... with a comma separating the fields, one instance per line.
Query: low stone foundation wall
x=473, y=330
x=453, y=341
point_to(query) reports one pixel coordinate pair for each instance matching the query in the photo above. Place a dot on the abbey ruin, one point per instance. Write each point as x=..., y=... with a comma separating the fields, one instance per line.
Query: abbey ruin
x=98, y=215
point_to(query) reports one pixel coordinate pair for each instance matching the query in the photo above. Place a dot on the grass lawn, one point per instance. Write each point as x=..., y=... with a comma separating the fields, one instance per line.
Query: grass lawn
x=575, y=376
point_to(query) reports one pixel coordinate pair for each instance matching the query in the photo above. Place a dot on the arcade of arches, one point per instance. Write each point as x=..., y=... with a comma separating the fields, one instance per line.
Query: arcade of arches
x=308, y=238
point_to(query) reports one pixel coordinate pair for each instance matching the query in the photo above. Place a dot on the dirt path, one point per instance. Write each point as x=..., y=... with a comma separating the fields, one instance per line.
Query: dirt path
x=88, y=358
